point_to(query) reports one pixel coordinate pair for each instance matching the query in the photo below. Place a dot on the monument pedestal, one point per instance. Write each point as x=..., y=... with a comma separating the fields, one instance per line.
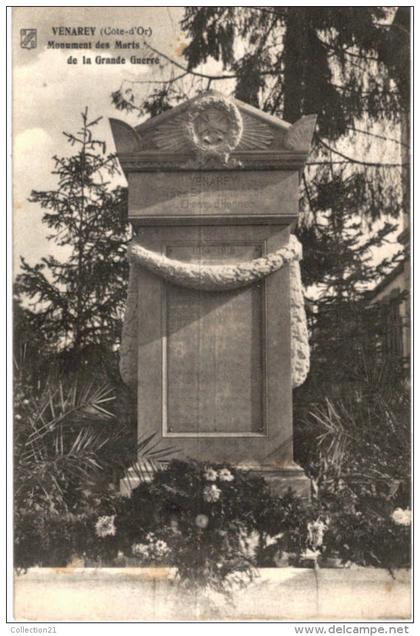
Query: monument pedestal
x=280, y=480
x=214, y=336
x=291, y=478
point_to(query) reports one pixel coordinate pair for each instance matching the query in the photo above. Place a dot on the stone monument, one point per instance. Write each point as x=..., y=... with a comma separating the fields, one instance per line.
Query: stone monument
x=215, y=336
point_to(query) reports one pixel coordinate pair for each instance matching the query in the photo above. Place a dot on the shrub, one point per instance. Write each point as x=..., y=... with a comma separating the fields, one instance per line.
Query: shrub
x=214, y=524
x=360, y=468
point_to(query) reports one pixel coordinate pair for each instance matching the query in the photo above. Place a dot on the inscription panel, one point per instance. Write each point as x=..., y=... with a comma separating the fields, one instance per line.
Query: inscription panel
x=228, y=194
x=214, y=351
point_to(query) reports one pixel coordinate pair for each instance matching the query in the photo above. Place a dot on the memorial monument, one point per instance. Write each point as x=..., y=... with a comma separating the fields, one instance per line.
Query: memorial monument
x=215, y=335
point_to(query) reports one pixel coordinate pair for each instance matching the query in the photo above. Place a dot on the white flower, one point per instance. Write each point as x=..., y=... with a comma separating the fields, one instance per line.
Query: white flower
x=105, y=526
x=202, y=521
x=153, y=550
x=210, y=474
x=211, y=493
x=140, y=550
x=401, y=517
x=225, y=475
x=316, y=531
x=161, y=548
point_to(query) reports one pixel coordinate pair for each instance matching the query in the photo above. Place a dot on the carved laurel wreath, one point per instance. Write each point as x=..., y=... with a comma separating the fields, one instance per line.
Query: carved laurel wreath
x=217, y=278
x=233, y=134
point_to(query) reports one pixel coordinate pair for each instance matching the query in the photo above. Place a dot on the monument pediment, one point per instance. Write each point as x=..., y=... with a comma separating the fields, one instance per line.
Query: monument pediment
x=212, y=132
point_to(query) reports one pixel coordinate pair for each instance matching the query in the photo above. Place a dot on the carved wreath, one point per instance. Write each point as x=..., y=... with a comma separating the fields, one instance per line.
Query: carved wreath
x=219, y=278
x=220, y=141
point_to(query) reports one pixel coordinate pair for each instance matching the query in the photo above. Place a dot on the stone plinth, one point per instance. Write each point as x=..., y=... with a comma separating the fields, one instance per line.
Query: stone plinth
x=150, y=594
x=214, y=183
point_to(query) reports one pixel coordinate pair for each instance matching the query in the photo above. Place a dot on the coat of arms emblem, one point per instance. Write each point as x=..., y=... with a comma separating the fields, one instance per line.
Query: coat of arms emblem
x=28, y=39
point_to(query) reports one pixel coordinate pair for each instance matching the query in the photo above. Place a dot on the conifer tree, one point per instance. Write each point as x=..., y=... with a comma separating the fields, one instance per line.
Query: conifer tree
x=74, y=303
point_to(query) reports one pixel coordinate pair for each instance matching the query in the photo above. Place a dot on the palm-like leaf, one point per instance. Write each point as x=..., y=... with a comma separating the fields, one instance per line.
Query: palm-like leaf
x=151, y=457
x=59, y=438
x=364, y=436
x=335, y=436
x=68, y=439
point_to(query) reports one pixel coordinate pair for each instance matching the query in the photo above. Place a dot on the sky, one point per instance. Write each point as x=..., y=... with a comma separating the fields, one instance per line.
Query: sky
x=49, y=95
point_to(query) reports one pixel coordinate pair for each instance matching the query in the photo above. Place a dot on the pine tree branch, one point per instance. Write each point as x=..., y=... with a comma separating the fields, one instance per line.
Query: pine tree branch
x=305, y=183
x=186, y=70
x=348, y=162
x=202, y=75
x=358, y=161
x=383, y=138
x=338, y=51
x=171, y=80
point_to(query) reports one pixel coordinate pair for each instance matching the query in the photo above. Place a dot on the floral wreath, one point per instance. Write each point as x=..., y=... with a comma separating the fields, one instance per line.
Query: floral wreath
x=233, y=135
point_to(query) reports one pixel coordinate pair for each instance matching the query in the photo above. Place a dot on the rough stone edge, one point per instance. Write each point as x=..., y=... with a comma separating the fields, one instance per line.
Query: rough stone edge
x=274, y=584
x=336, y=574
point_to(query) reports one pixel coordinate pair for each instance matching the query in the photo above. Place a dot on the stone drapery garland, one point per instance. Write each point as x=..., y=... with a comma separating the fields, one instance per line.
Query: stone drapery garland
x=218, y=278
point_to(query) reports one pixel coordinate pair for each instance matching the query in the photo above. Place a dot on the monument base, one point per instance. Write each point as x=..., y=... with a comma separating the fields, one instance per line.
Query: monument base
x=277, y=594
x=135, y=475
x=280, y=480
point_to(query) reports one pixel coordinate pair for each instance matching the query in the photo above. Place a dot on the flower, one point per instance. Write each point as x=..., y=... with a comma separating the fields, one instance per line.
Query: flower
x=160, y=548
x=140, y=550
x=316, y=531
x=210, y=474
x=202, y=521
x=155, y=549
x=401, y=517
x=105, y=526
x=225, y=475
x=211, y=493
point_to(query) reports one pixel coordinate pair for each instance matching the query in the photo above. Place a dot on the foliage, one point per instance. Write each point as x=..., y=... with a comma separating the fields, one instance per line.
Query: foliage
x=57, y=440
x=70, y=449
x=360, y=468
x=362, y=531
x=31, y=364
x=60, y=437
x=298, y=52
x=214, y=524
x=74, y=305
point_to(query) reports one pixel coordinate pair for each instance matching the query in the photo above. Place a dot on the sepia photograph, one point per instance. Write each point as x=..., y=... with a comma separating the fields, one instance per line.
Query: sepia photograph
x=211, y=335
